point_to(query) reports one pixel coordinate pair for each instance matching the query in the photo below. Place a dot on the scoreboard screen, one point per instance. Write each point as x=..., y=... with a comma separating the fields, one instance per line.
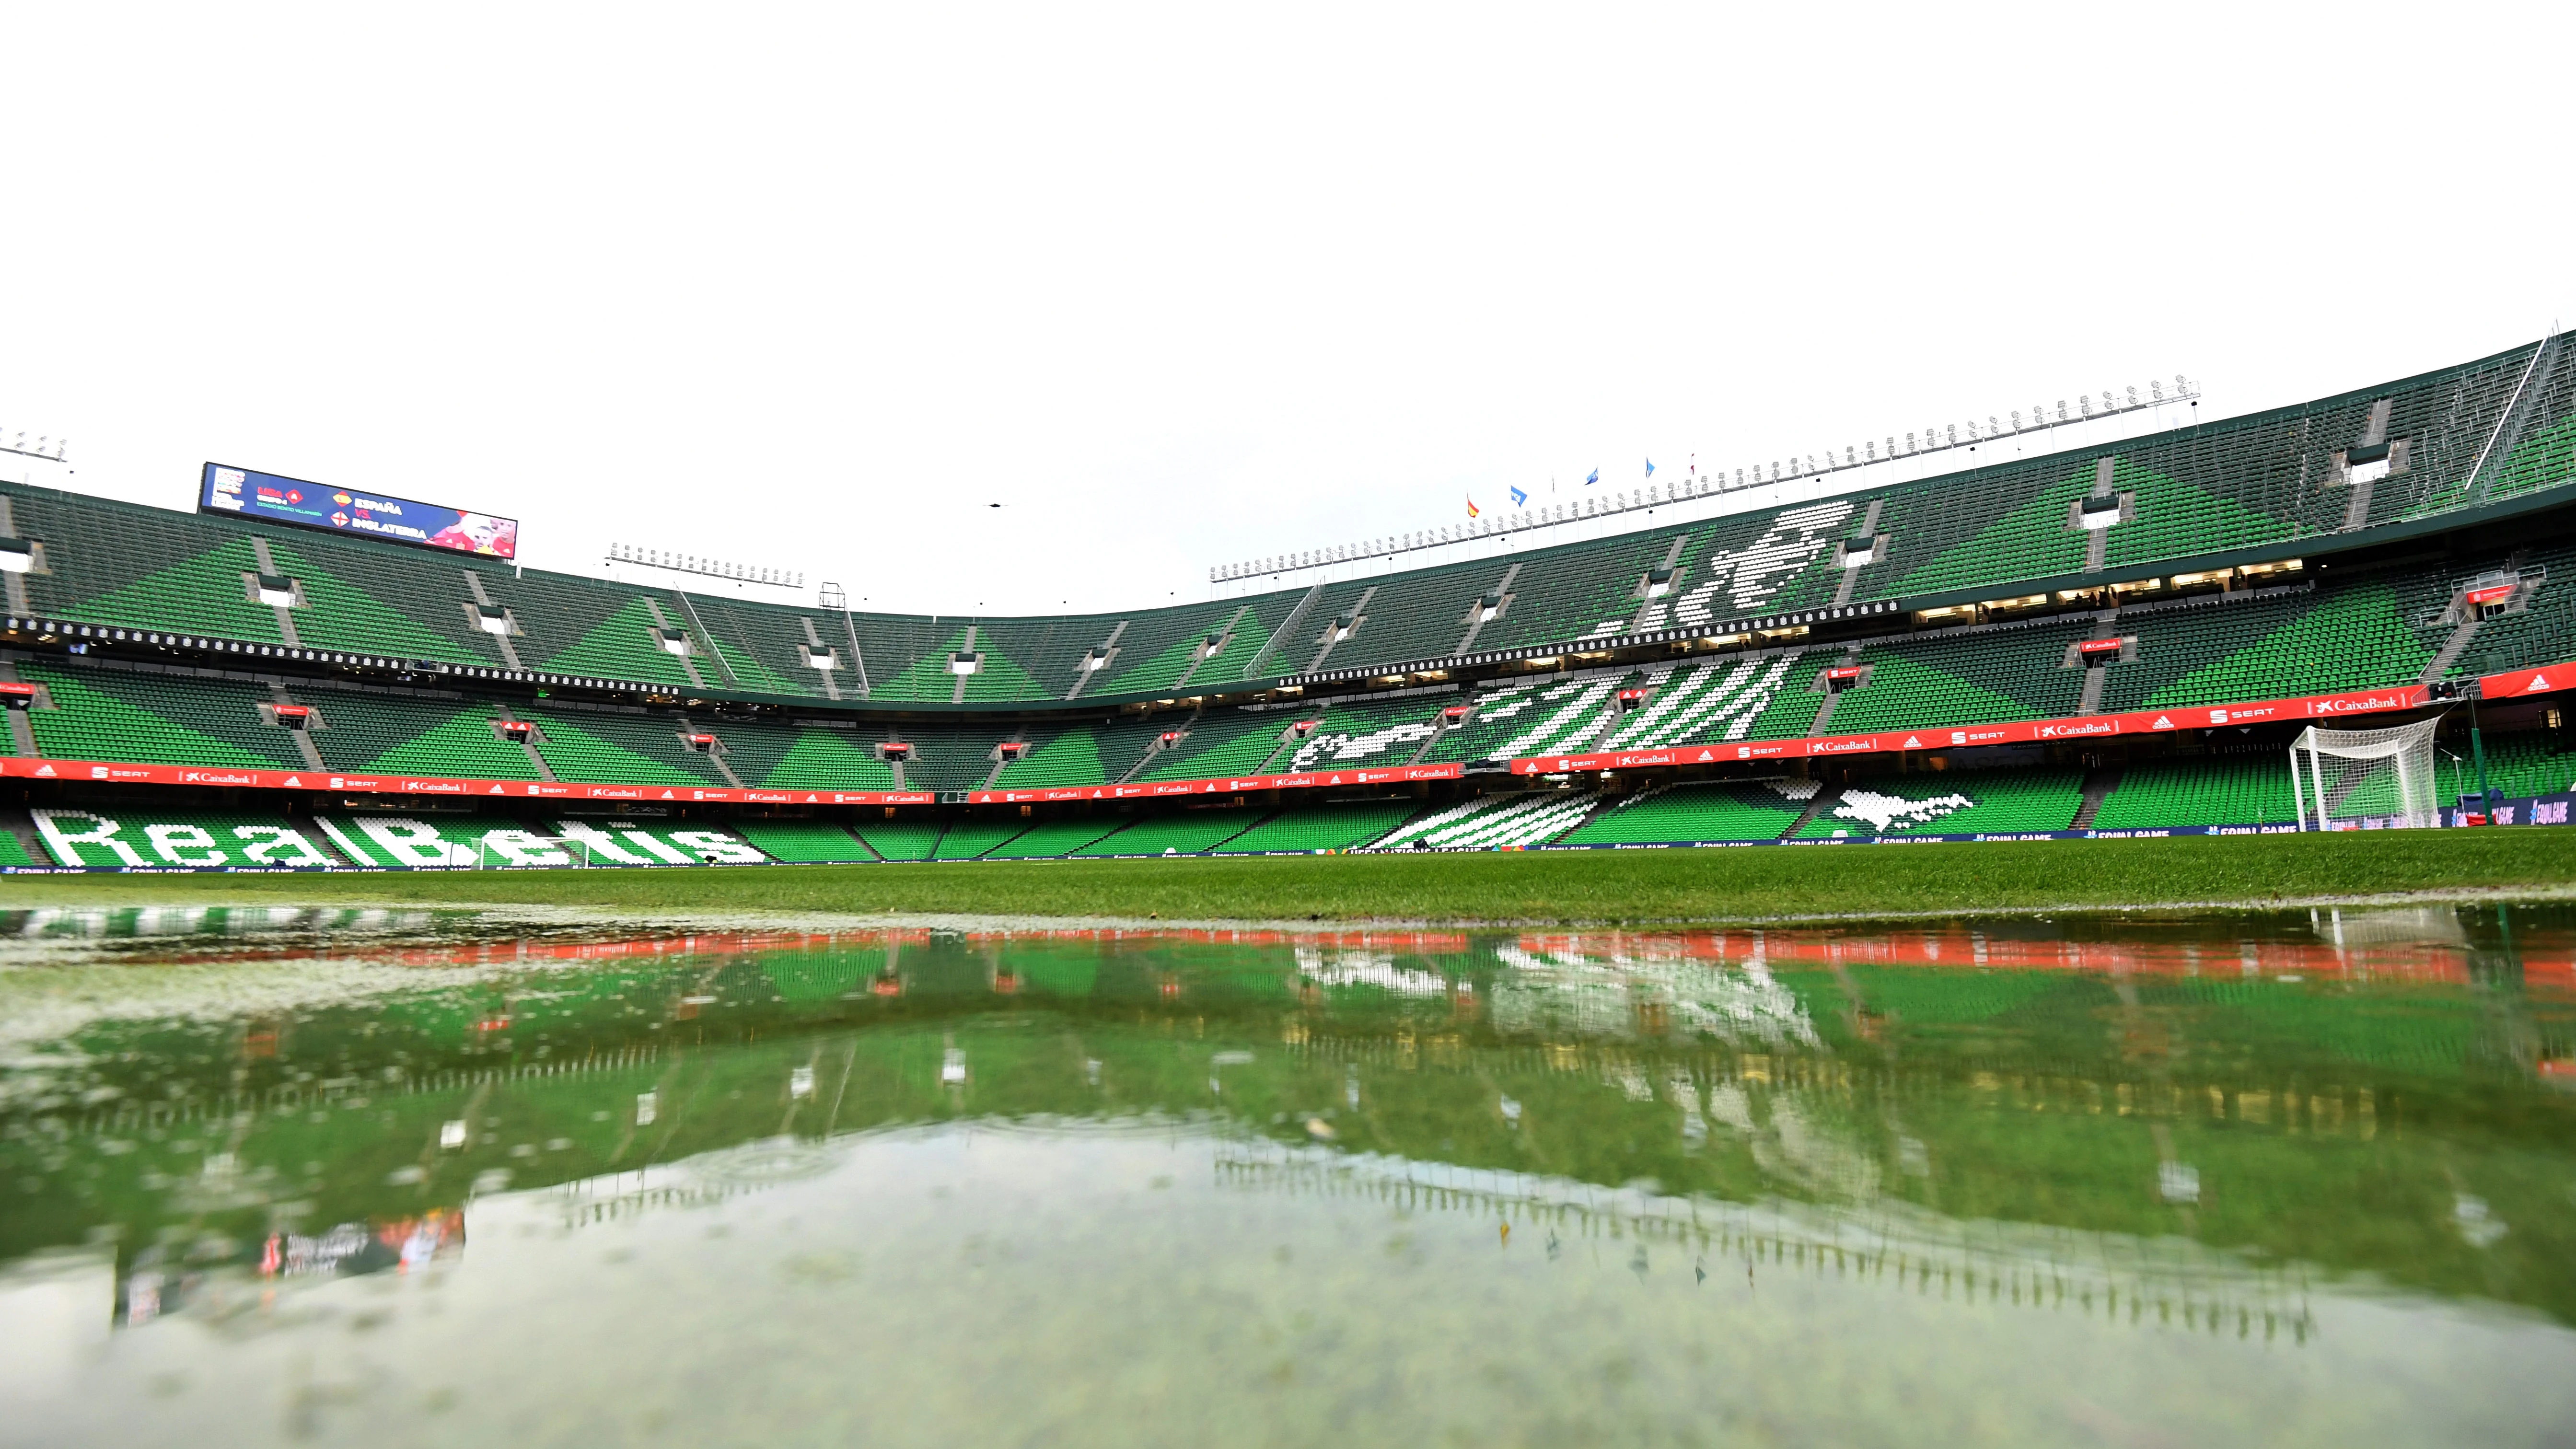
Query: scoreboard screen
x=246, y=493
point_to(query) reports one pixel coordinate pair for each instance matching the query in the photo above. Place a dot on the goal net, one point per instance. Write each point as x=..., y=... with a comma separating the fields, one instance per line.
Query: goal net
x=2366, y=779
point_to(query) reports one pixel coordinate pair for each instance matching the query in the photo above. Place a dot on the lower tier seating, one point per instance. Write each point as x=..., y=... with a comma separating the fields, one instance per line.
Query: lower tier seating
x=1958, y=802
x=809, y=841
x=1341, y=825
x=1684, y=814
x=2246, y=789
x=1189, y=833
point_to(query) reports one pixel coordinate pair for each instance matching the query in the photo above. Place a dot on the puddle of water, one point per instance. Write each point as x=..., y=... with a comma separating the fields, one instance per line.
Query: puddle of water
x=411, y=1177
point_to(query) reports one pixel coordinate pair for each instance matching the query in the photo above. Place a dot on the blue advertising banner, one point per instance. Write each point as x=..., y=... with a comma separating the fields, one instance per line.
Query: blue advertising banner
x=250, y=494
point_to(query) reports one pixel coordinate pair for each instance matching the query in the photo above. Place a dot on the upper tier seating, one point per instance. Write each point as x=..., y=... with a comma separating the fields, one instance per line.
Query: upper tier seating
x=1996, y=526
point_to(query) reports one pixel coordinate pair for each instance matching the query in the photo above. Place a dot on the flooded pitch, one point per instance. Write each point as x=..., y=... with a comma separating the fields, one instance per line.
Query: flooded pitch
x=396, y=1178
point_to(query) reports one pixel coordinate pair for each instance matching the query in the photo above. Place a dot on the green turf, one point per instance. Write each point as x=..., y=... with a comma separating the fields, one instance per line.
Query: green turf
x=1851, y=881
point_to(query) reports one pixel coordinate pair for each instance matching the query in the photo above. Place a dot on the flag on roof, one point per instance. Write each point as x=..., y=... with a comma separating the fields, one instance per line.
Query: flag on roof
x=1518, y=497
x=1650, y=467
x=1594, y=478
x=1471, y=508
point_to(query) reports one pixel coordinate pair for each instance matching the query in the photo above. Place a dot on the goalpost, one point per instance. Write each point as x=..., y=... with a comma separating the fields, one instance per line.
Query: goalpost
x=2366, y=779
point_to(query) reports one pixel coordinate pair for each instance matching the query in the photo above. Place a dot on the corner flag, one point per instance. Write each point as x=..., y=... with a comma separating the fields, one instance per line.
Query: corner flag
x=1518, y=497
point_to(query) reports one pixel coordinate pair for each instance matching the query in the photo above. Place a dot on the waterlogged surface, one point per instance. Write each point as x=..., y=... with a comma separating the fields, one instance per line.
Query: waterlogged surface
x=397, y=1179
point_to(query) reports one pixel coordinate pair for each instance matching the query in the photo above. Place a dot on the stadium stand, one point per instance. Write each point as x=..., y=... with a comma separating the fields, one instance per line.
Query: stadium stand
x=1684, y=814
x=1996, y=578
x=102, y=714
x=1192, y=832
x=1341, y=825
x=1978, y=675
x=1052, y=838
x=1494, y=822
x=1958, y=802
x=595, y=744
x=160, y=839
x=972, y=839
x=2529, y=763
x=902, y=839
x=2235, y=789
x=804, y=841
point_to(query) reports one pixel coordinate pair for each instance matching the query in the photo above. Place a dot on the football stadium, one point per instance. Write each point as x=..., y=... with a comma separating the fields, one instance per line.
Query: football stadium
x=2144, y=637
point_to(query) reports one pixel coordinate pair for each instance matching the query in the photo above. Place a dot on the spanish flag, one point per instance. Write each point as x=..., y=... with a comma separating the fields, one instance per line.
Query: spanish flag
x=1472, y=510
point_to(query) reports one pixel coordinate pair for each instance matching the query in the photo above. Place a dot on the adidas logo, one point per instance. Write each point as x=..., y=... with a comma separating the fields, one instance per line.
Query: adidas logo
x=1911, y=743
x=496, y=790
x=2538, y=683
x=45, y=772
x=667, y=795
x=293, y=783
x=1704, y=756
x=2161, y=723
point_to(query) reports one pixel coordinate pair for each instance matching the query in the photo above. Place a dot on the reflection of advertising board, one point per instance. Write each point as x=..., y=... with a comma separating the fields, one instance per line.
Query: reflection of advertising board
x=249, y=494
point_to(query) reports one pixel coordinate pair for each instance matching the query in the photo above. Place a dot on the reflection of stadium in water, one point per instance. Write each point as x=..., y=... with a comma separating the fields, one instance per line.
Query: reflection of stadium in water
x=1965, y=1100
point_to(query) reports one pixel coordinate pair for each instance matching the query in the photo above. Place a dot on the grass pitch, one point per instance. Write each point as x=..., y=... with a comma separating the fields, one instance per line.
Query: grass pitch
x=1855, y=882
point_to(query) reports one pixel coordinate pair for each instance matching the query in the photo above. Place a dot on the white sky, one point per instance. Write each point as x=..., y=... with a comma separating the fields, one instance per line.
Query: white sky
x=811, y=288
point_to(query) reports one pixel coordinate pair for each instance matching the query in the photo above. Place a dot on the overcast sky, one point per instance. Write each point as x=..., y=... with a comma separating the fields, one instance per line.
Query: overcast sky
x=812, y=288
